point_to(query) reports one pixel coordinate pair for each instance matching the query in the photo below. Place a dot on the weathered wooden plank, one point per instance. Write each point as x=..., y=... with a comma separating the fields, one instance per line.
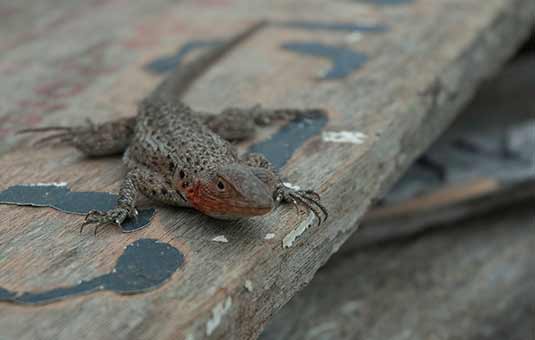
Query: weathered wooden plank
x=53, y=53
x=417, y=67
x=474, y=280
x=484, y=161
x=25, y=22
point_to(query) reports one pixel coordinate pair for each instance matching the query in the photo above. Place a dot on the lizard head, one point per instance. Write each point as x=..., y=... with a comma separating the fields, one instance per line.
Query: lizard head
x=231, y=192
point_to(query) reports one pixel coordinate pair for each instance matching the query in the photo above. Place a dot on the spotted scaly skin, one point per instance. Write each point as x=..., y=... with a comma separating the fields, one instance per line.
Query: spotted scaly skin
x=184, y=158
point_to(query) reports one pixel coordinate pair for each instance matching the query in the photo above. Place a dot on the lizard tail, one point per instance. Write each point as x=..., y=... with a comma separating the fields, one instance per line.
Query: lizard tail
x=174, y=86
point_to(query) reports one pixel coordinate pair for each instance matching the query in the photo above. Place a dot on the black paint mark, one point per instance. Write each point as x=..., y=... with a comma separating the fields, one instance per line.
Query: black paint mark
x=145, y=265
x=386, y=2
x=167, y=64
x=61, y=198
x=6, y=295
x=334, y=26
x=344, y=60
x=280, y=147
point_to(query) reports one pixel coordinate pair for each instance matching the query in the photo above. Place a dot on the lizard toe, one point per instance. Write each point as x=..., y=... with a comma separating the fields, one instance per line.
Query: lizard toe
x=307, y=199
x=114, y=216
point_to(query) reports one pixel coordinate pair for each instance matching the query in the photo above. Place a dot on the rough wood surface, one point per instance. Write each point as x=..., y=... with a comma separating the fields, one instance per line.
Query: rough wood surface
x=473, y=280
x=485, y=160
x=420, y=69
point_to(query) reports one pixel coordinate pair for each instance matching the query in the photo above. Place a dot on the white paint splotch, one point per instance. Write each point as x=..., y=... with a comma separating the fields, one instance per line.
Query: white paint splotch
x=218, y=312
x=354, y=37
x=269, y=236
x=290, y=238
x=220, y=238
x=353, y=137
x=291, y=186
x=248, y=285
x=52, y=184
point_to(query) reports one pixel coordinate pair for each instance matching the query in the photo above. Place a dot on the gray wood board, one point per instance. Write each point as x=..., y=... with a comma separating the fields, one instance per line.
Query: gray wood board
x=483, y=161
x=493, y=138
x=416, y=76
x=473, y=280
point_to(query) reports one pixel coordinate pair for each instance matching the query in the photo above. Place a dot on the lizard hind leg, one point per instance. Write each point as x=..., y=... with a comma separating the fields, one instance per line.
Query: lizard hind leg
x=92, y=139
x=62, y=134
x=236, y=124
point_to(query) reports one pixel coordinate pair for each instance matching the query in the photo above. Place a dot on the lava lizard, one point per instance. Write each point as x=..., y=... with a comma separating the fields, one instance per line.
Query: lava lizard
x=185, y=158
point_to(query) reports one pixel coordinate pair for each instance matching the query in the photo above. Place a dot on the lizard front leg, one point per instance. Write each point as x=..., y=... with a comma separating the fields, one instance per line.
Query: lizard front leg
x=236, y=124
x=309, y=199
x=104, y=139
x=128, y=193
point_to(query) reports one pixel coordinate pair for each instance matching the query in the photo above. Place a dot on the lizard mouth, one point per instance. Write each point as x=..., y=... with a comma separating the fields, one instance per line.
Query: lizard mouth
x=228, y=208
x=224, y=210
x=238, y=212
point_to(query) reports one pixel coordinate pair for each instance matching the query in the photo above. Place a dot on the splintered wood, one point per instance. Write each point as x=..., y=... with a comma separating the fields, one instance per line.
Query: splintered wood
x=392, y=76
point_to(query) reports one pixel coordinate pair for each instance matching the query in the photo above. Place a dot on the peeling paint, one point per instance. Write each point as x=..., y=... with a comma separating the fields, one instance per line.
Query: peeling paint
x=218, y=312
x=344, y=61
x=289, y=239
x=353, y=137
x=58, y=196
x=145, y=265
x=292, y=186
x=220, y=238
x=281, y=146
x=354, y=37
x=269, y=236
x=248, y=285
x=54, y=184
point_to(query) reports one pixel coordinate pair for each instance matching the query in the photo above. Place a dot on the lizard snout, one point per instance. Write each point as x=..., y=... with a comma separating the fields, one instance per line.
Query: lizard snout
x=232, y=192
x=252, y=195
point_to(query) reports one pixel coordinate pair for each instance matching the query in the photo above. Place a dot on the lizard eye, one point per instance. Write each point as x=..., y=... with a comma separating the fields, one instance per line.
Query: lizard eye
x=221, y=185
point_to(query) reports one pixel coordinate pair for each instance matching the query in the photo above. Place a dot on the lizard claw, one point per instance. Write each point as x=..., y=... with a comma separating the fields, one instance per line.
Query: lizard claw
x=135, y=214
x=70, y=135
x=62, y=134
x=114, y=216
x=302, y=198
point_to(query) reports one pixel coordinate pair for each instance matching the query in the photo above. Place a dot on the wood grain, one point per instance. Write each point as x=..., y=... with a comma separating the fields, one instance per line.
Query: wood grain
x=485, y=159
x=473, y=280
x=420, y=72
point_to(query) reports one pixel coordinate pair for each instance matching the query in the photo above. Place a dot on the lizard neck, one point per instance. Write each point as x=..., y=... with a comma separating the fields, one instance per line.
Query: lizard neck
x=193, y=195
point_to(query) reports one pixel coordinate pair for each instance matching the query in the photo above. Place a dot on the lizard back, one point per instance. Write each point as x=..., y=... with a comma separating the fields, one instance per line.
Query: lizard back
x=168, y=136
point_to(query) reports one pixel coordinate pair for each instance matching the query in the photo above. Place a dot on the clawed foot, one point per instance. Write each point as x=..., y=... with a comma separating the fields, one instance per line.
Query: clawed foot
x=114, y=216
x=302, y=198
